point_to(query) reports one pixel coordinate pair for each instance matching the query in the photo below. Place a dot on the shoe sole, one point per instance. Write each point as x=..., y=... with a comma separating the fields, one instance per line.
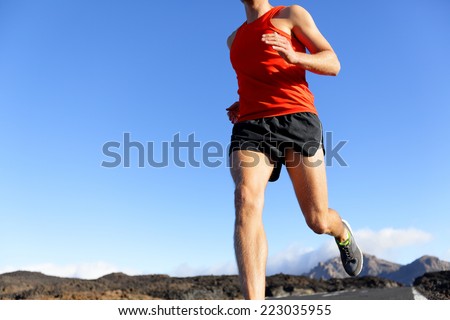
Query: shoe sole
x=347, y=225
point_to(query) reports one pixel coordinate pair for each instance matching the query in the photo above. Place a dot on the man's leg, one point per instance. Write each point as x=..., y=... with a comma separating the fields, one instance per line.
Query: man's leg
x=251, y=172
x=308, y=177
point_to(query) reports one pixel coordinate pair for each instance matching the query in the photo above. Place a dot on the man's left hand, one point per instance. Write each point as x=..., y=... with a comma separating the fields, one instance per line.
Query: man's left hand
x=282, y=45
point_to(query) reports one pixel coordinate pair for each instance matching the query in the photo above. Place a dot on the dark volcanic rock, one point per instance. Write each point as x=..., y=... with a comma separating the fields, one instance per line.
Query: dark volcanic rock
x=27, y=285
x=434, y=286
x=361, y=283
x=284, y=286
x=119, y=286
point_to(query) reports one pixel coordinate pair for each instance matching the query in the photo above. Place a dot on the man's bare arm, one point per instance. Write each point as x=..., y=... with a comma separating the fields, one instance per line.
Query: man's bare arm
x=321, y=59
x=233, y=110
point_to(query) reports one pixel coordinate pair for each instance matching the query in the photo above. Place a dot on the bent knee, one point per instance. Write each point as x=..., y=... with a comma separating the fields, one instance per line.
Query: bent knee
x=318, y=225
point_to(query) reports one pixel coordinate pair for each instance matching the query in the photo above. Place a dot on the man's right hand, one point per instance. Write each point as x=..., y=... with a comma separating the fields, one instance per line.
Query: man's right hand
x=233, y=112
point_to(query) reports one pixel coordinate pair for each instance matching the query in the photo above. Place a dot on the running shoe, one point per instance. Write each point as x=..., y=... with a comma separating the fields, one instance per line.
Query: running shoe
x=351, y=255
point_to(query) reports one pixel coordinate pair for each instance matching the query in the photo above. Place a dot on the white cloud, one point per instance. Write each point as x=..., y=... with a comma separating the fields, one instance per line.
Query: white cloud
x=82, y=271
x=185, y=270
x=293, y=260
x=447, y=255
x=297, y=260
x=387, y=242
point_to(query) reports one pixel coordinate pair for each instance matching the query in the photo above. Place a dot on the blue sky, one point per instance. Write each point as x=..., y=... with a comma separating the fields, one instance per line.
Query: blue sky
x=75, y=75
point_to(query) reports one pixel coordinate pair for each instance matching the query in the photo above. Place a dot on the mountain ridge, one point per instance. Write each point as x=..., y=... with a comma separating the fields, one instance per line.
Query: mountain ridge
x=373, y=266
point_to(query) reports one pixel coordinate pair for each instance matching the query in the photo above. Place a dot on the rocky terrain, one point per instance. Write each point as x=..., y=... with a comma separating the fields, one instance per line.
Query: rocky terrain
x=434, y=286
x=36, y=286
x=429, y=275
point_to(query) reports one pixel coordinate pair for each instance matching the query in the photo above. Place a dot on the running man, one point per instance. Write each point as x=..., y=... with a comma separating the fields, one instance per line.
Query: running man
x=275, y=124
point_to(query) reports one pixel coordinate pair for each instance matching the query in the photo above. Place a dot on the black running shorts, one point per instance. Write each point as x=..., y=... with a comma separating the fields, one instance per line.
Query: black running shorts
x=272, y=136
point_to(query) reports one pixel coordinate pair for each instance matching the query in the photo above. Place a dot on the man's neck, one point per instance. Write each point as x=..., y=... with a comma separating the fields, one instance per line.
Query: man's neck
x=256, y=9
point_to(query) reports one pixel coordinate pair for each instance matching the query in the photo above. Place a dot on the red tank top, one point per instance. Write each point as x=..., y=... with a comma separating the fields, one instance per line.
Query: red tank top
x=268, y=85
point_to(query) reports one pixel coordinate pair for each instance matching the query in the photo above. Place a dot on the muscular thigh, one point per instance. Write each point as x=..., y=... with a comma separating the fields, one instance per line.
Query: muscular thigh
x=308, y=177
x=251, y=169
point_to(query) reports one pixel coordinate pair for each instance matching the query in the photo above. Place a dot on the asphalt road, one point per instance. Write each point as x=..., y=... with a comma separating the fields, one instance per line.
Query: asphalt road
x=405, y=293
